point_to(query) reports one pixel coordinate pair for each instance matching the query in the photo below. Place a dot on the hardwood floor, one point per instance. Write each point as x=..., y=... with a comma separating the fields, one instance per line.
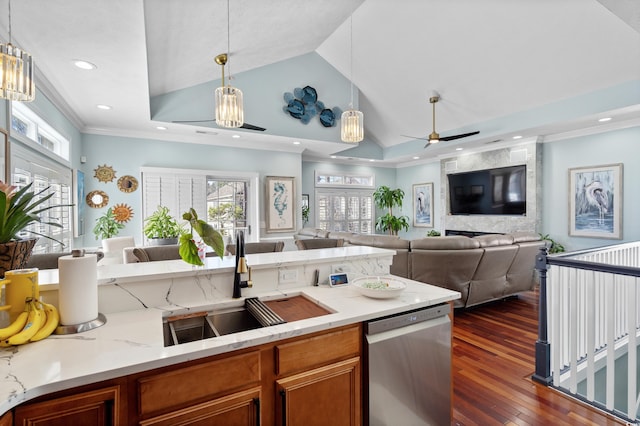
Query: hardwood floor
x=493, y=360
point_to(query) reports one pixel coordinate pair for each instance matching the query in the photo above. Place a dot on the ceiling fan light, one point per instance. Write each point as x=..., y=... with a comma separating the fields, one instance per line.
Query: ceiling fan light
x=16, y=74
x=229, y=107
x=352, y=126
x=434, y=138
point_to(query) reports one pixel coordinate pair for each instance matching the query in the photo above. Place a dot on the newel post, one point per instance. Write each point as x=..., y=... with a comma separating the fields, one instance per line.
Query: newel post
x=542, y=373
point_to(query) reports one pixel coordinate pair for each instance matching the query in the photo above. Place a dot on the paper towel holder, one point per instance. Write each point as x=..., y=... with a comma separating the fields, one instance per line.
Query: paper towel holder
x=85, y=326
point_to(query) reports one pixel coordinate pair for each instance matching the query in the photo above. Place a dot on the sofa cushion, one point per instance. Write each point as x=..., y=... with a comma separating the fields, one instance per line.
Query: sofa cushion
x=494, y=240
x=311, y=233
x=454, y=242
x=523, y=237
x=319, y=243
x=155, y=253
x=490, y=279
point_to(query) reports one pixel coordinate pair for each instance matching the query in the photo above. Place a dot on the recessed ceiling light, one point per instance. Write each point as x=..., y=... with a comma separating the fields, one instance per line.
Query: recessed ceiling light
x=334, y=156
x=372, y=160
x=105, y=107
x=602, y=120
x=236, y=136
x=84, y=65
x=296, y=142
x=517, y=137
x=161, y=128
x=416, y=158
x=459, y=149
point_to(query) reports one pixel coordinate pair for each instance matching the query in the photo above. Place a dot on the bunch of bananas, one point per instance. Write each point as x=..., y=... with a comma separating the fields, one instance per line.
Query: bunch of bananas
x=37, y=321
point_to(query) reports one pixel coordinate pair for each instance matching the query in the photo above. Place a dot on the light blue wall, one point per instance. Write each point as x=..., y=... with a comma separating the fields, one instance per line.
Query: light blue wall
x=263, y=102
x=406, y=177
x=620, y=146
x=383, y=176
x=127, y=155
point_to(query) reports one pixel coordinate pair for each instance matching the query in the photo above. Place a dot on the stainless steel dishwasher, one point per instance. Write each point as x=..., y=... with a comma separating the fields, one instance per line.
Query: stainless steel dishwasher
x=409, y=368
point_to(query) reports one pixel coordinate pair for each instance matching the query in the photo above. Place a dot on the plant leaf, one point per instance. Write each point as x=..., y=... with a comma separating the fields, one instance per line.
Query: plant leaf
x=188, y=250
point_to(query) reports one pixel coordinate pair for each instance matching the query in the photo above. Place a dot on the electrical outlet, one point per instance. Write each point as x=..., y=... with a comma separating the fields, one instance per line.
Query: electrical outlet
x=288, y=276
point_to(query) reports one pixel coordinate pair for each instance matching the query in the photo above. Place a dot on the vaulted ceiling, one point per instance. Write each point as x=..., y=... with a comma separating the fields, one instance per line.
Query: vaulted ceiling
x=534, y=68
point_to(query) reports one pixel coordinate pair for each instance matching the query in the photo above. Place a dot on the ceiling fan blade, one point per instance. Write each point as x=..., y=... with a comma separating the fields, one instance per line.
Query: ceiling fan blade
x=413, y=137
x=460, y=136
x=244, y=126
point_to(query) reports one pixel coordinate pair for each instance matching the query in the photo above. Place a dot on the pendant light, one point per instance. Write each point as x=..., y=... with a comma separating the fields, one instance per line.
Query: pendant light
x=16, y=71
x=229, y=109
x=352, y=121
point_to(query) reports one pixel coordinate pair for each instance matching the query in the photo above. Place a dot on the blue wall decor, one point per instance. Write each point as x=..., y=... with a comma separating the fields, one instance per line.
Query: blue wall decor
x=303, y=104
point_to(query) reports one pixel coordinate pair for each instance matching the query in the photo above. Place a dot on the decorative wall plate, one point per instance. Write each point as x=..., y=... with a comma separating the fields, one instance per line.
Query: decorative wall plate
x=122, y=212
x=97, y=199
x=104, y=173
x=127, y=183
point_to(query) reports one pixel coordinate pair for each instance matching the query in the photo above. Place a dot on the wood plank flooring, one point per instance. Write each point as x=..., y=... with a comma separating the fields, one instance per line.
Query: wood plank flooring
x=493, y=360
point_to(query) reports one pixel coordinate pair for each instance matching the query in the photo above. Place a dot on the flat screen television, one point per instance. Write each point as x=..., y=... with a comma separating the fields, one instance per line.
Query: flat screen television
x=499, y=191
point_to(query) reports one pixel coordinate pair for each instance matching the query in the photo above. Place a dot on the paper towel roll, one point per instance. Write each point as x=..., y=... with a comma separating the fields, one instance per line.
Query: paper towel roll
x=78, y=289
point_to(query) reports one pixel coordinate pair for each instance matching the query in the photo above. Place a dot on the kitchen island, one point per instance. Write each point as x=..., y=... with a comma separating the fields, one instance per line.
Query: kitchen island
x=135, y=298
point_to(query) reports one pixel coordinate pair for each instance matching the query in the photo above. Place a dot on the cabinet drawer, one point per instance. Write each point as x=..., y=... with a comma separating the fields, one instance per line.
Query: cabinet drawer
x=176, y=388
x=318, y=350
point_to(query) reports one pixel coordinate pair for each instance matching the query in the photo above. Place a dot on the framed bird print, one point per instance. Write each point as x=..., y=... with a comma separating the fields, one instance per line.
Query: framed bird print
x=423, y=205
x=595, y=201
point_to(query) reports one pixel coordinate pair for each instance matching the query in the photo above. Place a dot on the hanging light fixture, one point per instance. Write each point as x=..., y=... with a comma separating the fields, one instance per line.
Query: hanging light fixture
x=352, y=121
x=16, y=71
x=229, y=109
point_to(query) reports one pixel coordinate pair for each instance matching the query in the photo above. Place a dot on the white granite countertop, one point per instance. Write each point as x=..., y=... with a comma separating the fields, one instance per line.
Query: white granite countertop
x=132, y=341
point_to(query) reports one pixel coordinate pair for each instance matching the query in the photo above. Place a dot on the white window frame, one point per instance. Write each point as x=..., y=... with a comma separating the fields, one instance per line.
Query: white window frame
x=345, y=176
x=253, y=198
x=39, y=127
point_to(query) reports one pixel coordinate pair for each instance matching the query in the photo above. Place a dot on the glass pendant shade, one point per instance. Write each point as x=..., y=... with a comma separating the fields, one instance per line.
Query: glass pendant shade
x=352, y=127
x=229, y=108
x=16, y=74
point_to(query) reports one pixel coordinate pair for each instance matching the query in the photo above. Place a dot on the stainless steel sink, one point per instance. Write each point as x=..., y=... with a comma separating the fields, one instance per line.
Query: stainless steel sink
x=205, y=325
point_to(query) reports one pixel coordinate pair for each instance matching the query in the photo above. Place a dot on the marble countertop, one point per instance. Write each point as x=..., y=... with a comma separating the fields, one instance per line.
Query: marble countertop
x=132, y=341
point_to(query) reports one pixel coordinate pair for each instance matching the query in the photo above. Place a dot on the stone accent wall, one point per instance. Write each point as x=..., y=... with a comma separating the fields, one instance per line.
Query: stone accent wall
x=529, y=154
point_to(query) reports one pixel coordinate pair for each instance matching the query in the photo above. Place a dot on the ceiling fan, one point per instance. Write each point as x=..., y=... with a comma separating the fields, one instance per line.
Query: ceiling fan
x=222, y=61
x=434, y=137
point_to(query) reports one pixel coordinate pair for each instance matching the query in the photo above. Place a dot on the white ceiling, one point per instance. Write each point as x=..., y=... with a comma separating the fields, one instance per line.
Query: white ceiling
x=488, y=59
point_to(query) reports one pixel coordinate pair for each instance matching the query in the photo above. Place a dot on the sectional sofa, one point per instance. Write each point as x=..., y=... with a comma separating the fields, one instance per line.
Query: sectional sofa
x=482, y=269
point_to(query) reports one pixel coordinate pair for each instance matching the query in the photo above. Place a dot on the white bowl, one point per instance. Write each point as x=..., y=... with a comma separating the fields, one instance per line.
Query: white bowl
x=379, y=287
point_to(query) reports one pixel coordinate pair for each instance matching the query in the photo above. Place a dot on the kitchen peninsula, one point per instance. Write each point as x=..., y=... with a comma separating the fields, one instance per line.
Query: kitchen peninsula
x=136, y=297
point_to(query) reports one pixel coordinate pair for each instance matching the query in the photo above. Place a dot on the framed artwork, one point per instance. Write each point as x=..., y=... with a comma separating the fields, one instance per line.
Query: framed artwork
x=280, y=204
x=78, y=203
x=595, y=201
x=305, y=200
x=423, y=205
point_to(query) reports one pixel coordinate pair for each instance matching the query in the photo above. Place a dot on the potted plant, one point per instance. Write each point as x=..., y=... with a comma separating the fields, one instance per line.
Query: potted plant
x=189, y=249
x=387, y=198
x=20, y=208
x=107, y=226
x=161, y=228
x=433, y=233
x=552, y=245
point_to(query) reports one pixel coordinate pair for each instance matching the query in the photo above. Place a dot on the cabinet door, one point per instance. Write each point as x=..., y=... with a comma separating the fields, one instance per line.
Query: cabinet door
x=94, y=408
x=328, y=395
x=238, y=409
x=6, y=419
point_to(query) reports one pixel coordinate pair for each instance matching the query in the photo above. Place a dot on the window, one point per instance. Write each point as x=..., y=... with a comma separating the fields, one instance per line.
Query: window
x=227, y=205
x=27, y=126
x=343, y=203
x=226, y=200
x=29, y=167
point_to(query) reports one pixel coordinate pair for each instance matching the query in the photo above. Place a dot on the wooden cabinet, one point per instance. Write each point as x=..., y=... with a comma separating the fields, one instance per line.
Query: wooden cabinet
x=6, y=419
x=319, y=380
x=328, y=395
x=99, y=407
x=238, y=409
x=309, y=380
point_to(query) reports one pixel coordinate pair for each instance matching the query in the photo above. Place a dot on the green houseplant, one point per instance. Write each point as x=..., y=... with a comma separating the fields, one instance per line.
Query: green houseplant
x=552, y=245
x=387, y=198
x=161, y=228
x=107, y=226
x=189, y=249
x=20, y=208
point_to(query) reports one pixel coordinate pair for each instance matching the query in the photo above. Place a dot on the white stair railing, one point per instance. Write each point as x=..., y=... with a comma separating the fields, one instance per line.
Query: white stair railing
x=589, y=320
